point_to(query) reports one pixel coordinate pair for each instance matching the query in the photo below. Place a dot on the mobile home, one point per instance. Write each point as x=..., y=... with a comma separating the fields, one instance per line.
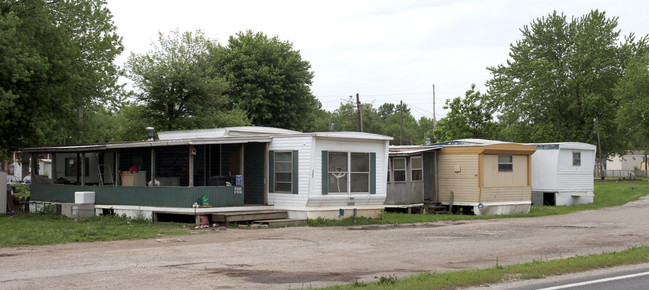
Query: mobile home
x=562, y=173
x=484, y=176
x=327, y=174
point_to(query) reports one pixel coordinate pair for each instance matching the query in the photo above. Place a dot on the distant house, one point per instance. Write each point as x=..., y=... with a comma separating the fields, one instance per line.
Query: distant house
x=323, y=174
x=484, y=176
x=562, y=173
x=630, y=164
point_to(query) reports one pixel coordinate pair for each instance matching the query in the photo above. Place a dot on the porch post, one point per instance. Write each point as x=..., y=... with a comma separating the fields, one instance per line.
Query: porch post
x=53, y=173
x=241, y=163
x=34, y=165
x=117, y=172
x=152, y=166
x=192, y=151
x=266, y=172
x=82, y=171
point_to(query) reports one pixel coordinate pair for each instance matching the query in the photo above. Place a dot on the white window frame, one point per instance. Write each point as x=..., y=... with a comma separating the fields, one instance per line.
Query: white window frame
x=354, y=174
x=413, y=169
x=505, y=165
x=290, y=172
x=404, y=169
x=576, y=161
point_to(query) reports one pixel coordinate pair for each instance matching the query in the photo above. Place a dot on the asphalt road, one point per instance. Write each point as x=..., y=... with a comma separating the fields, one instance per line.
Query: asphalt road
x=304, y=257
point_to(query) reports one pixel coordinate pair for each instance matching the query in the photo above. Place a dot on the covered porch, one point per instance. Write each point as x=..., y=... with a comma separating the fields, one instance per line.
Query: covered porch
x=225, y=172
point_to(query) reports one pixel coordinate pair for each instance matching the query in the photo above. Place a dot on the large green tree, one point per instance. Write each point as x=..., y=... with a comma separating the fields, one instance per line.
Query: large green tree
x=466, y=118
x=56, y=65
x=269, y=80
x=180, y=88
x=560, y=79
x=632, y=93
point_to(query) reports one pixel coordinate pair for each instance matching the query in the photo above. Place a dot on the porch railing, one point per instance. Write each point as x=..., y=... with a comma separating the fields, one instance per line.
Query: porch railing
x=171, y=196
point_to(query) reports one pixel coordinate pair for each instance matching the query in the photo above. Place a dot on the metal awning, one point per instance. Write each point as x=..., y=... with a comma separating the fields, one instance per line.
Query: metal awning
x=143, y=144
x=401, y=151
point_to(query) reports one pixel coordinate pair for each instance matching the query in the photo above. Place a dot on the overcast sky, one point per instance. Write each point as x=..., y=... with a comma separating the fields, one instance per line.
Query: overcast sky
x=387, y=51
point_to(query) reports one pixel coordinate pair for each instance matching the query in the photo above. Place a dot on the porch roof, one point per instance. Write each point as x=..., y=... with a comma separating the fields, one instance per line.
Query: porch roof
x=141, y=144
x=411, y=150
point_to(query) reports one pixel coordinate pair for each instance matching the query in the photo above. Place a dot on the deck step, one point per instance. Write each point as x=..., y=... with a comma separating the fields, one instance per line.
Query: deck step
x=281, y=222
x=247, y=216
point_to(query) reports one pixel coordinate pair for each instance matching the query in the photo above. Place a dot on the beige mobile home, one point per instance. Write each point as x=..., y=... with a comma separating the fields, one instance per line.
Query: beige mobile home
x=487, y=177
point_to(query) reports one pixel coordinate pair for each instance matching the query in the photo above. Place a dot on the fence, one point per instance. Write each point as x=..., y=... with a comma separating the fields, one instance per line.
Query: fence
x=623, y=173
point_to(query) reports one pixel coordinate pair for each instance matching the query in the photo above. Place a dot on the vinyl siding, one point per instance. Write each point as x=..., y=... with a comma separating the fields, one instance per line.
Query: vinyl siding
x=495, y=178
x=300, y=145
x=464, y=184
x=506, y=194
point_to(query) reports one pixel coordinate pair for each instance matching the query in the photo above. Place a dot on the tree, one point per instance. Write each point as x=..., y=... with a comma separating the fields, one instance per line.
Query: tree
x=467, y=118
x=632, y=93
x=179, y=86
x=56, y=64
x=560, y=78
x=269, y=80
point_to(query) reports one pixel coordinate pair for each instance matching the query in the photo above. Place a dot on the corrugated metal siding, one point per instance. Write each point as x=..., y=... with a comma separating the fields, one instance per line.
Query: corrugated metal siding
x=463, y=184
x=253, y=179
x=505, y=194
x=142, y=196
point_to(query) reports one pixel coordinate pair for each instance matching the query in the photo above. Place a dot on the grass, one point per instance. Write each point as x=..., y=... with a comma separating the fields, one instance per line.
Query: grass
x=25, y=229
x=499, y=274
x=37, y=229
x=607, y=194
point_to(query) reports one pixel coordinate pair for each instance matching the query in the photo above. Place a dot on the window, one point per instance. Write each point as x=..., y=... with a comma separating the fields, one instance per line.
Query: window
x=360, y=172
x=505, y=163
x=417, y=168
x=71, y=167
x=283, y=171
x=399, y=166
x=337, y=172
x=576, y=158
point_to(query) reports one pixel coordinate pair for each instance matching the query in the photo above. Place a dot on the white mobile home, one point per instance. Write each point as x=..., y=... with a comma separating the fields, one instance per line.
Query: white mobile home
x=562, y=173
x=328, y=174
x=309, y=175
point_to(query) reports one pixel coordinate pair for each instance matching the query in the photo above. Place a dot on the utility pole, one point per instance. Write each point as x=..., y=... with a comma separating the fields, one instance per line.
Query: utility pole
x=401, y=121
x=434, y=118
x=599, y=149
x=360, y=113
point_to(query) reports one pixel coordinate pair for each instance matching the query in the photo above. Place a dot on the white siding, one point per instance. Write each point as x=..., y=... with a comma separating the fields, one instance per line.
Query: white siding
x=553, y=170
x=575, y=178
x=544, y=170
x=303, y=145
x=317, y=199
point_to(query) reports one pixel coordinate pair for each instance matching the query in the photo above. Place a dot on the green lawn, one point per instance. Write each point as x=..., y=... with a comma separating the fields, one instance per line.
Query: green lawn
x=37, y=229
x=25, y=229
x=607, y=194
x=499, y=274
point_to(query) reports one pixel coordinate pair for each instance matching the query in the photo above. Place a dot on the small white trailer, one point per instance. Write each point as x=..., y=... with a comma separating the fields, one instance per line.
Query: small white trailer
x=562, y=173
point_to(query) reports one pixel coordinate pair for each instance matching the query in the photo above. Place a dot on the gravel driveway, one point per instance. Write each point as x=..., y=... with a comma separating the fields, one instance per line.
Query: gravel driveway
x=303, y=257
